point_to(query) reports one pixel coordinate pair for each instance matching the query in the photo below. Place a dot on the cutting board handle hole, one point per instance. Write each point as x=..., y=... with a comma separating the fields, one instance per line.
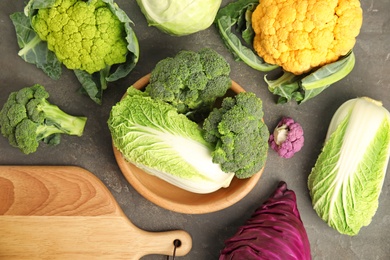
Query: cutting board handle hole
x=177, y=243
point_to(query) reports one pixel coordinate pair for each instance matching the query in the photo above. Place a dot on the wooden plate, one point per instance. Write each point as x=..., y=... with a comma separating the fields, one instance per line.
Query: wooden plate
x=176, y=199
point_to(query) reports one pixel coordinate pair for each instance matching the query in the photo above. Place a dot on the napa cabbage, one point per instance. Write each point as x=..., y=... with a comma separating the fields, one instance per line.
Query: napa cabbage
x=152, y=135
x=348, y=176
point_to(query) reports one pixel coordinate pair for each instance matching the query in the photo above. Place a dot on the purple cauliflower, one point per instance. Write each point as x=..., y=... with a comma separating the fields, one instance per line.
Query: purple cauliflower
x=275, y=231
x=287, y=138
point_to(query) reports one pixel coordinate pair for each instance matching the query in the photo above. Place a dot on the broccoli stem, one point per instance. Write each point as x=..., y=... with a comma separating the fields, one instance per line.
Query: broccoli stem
x=57, y=121
x=44, y=131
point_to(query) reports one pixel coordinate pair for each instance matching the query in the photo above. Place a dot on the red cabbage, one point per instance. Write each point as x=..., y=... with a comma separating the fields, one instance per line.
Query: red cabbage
x=274, y=231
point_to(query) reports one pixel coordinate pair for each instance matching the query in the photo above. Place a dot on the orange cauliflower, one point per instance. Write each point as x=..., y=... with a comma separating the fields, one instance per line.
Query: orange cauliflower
x=299, y=35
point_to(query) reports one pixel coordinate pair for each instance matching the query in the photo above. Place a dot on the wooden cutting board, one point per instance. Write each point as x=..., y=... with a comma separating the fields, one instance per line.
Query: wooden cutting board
x=66, y=212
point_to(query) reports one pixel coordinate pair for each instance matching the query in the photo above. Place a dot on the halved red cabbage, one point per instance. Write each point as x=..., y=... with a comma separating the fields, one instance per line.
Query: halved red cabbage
x=275, y=231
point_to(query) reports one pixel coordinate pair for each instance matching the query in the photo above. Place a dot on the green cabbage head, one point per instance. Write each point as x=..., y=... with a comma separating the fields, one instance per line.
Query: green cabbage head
x=180, y=17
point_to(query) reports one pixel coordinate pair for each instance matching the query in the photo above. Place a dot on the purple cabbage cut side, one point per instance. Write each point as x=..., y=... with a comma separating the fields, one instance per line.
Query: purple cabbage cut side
x=275, y=231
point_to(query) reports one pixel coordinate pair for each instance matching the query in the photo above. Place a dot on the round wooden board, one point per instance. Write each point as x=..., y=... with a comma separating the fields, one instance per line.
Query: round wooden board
x=176, y=199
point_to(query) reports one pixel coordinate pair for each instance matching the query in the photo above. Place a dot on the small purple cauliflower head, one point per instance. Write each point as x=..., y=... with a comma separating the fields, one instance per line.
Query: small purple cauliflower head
x=287, y=138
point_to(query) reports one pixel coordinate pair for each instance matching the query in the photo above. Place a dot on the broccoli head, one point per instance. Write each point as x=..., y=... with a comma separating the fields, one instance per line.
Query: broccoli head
x=239, y=134
x=27, y=118
x=190, y=81
x=84, y=35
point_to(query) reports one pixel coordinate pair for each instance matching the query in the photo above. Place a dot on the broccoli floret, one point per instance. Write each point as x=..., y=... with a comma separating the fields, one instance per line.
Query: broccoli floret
x=190, y=81
x=84, y=35
x=239, y=134
x=214, y=64
x=216, y=87
x=27, y=118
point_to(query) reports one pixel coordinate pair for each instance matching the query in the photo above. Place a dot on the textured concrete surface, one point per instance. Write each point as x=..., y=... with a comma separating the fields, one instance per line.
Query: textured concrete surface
x=370, y=77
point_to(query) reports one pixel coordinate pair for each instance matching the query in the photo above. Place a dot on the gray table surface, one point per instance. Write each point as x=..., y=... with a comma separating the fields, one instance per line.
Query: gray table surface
x=93, y=151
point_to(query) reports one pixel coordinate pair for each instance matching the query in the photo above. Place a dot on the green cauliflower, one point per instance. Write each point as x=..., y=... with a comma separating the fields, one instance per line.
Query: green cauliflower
x=27, y=118
x=239, y=134
x=84, y=35
x=190, y=81
x=93, y=38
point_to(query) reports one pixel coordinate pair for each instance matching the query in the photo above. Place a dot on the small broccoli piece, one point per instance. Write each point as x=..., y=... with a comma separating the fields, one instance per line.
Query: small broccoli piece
x=190, y=81
x=16, y=113
x=27, y=118
x=287, y=138
x=27, y=143
x=214, y=65
x=239, y=134
x=216, y=87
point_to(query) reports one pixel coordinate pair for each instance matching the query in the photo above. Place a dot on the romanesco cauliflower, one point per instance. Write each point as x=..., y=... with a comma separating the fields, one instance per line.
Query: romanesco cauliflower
x=303, y=34
x=83, y=35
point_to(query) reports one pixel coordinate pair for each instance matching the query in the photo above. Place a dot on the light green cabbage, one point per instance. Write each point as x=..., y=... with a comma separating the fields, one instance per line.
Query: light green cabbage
x=153, y=136
x=180, y=17
x=348, y=176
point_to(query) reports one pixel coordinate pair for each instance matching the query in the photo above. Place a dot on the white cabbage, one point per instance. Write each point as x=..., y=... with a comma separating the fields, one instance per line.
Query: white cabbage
x=180, y=17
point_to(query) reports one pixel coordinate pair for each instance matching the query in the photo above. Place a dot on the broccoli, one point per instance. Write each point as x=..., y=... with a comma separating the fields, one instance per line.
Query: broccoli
x=239, y=134
x=190, y=81
x=27, y=118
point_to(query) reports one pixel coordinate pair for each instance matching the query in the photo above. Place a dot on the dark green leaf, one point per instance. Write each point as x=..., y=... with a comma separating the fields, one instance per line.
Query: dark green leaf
x=286, y=87
x=240, y=52
x=122, y=16
x=91, y=85
x=244, y=23
x=248, y=33
x=235, y=14
x=131, y=59
x=122, y=70
x=32, y=49
x=309, y=94
x=235, y=9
